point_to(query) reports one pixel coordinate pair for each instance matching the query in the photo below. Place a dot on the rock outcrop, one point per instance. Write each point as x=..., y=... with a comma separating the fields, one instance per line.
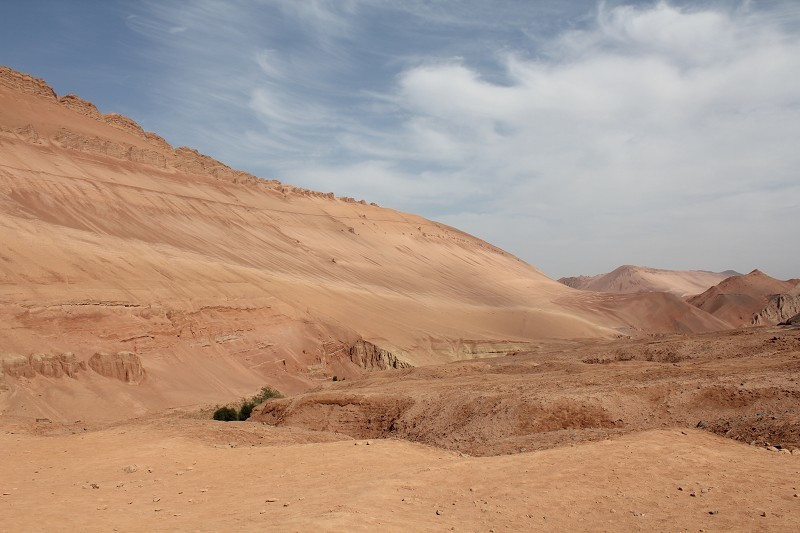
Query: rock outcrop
x=124, y=366
x=76, y=103
x=371, y=357
x=26, y=83
x=780, y=308
x=48, y=365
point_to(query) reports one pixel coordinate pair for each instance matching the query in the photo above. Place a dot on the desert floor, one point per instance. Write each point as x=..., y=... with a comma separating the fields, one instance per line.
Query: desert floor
x=179, y=471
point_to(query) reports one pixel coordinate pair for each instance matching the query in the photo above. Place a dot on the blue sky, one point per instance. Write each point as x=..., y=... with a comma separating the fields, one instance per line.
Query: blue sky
x=578, y=135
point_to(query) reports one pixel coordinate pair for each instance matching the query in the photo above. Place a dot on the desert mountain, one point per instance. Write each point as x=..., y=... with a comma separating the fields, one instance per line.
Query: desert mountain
x=632, y=279
x=153, y=276
x=738, y=299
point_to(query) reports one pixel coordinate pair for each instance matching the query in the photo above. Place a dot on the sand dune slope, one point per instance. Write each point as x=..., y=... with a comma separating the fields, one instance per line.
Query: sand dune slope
x=116, y=243
x=631, y=279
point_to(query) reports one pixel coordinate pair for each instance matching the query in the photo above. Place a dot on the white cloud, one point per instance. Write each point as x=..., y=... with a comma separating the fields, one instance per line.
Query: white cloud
x=652, y=134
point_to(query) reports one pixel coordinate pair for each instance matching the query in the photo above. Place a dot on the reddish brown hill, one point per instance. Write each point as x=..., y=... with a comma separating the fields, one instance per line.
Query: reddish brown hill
x=737, y=299
x=631, y=279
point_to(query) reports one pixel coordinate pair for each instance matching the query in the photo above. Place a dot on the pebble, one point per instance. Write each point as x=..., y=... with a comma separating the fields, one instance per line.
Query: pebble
x=438, y=512
x=713, y=512
x=271, y=500
x=130, y=469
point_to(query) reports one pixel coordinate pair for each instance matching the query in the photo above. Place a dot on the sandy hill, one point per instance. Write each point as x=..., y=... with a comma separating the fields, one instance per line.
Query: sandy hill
x=153, y=276
x=631, y=279
x=738, y=299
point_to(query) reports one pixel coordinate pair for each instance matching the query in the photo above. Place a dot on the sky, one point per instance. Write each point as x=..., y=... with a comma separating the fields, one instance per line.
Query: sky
x=577, y=135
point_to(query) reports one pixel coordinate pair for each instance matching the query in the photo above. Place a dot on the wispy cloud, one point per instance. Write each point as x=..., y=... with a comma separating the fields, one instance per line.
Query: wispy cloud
x=578, y=136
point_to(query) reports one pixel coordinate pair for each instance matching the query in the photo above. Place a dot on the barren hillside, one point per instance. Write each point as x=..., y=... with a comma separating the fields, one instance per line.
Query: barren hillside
x=151, y=276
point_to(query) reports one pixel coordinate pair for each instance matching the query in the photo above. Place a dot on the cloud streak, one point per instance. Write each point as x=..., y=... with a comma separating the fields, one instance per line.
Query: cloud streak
x=648, y=133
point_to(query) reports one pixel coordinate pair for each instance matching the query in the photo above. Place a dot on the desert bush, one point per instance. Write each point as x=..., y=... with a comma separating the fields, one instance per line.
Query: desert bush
x=231, y=414
x=226, y=414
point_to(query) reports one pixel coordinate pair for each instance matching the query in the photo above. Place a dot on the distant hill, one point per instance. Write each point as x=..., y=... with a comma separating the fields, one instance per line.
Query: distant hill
x=633, y=279
x=738, y=299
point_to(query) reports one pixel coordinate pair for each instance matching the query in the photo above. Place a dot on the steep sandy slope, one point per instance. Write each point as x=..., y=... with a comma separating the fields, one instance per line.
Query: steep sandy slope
x=737, y=299
x=629, y=278
x=214, y=282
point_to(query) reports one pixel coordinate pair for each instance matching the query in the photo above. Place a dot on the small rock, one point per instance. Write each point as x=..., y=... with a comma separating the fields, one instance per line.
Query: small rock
x=368, y=443
x=701, y=424
x=713, y=512
x=156, y=500
x=271, y=500
x=763, y=513
x=95, y=486
x=130, y=469
x=637, y=513
x=438, y=512
x=149, y=470
x=286, y=504
x=693, y=494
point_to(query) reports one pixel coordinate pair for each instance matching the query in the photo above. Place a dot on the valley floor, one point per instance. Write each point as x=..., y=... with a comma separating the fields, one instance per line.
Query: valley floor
x=608, y=431
x=185, y=479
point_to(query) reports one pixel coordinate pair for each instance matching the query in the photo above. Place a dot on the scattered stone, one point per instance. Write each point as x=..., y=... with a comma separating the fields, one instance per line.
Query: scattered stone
x=763, y=513
x=149, y=470
x=713, y=512
x=693, y=494
x=286, y=504
x=156, y=500
x=271, y=500
x=637, y=513
x=130, y=469
x=94, y=486
x=438, y=512
x=701, y=424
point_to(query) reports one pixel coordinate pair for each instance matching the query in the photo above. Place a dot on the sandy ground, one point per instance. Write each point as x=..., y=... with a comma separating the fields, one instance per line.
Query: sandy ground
x=664, y=480
x=644, y=467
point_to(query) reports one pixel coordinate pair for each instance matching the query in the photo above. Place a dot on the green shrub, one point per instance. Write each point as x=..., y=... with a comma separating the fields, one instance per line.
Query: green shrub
x=230, y=414
x=226, y=414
